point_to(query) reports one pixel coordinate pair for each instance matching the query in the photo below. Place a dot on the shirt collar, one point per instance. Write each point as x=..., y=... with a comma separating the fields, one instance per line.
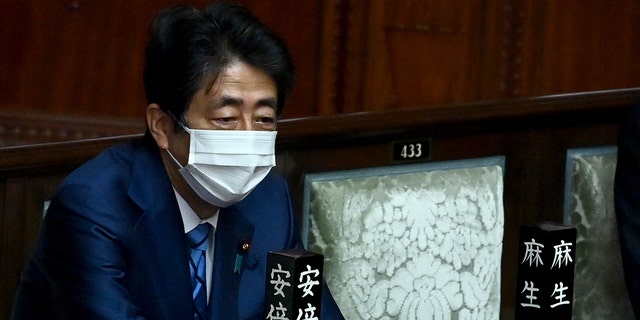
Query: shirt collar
x=190, y=218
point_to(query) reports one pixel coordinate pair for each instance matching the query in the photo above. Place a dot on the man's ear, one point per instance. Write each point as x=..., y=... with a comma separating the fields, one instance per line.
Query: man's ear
x=159, y=124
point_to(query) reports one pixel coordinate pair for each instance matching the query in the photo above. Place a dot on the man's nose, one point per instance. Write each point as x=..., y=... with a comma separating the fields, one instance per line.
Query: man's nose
x=245, y=123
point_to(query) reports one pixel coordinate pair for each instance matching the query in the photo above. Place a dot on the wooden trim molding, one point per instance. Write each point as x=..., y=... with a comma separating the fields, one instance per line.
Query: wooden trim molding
x=346, y=128
x=30, y=127
x=443, y=119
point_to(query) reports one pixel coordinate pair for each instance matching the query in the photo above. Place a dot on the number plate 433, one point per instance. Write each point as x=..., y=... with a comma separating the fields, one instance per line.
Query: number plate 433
x=411, y=150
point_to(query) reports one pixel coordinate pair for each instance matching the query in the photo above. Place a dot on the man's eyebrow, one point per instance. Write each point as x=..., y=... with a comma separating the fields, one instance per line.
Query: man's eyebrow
x=269, y=102
x=234, y=101
x=229, y=101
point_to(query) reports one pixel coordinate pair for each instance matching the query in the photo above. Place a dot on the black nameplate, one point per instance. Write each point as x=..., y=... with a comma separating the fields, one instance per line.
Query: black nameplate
x=293, y=286
x=411, y=150
x=546, y=270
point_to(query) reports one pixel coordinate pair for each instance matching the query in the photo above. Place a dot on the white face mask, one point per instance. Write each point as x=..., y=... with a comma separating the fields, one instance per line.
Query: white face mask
x=224, y=166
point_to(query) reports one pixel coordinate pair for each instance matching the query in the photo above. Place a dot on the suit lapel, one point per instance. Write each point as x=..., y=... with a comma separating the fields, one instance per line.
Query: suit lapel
x=233, y=229
x=160, y=235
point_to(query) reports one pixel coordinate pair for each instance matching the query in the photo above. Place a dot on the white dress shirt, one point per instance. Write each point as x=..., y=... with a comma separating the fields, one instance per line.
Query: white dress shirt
x=191, y=220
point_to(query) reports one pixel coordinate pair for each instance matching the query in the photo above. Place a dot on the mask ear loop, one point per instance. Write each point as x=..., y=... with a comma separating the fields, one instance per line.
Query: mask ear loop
x=182, y=123
x=180, y=166
x=185, y=128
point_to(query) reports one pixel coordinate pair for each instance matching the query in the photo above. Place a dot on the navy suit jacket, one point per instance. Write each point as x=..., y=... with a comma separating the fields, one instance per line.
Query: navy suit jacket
x=112, y=246
x=627, y=201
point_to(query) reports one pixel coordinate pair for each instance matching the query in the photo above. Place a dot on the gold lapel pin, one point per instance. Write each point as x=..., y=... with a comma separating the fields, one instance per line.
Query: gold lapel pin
x=243, y=248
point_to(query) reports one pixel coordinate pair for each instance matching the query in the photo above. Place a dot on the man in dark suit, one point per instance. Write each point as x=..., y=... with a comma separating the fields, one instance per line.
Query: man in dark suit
x=627, y=202
x=114, y=242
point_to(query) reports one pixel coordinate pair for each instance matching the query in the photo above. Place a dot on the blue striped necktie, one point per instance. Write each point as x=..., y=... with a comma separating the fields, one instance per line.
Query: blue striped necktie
x=198, y=239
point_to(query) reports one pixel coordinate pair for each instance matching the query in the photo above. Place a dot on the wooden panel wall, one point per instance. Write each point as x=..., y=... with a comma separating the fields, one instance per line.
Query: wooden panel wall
x=85, y=58
x=570, y=46
x=76, y=57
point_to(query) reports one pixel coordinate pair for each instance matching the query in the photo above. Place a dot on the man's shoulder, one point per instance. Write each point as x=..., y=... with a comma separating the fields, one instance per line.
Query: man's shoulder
x=111, y=163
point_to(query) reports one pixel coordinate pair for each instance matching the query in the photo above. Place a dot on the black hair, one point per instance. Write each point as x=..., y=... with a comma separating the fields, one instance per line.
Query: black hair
x=188, y=46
